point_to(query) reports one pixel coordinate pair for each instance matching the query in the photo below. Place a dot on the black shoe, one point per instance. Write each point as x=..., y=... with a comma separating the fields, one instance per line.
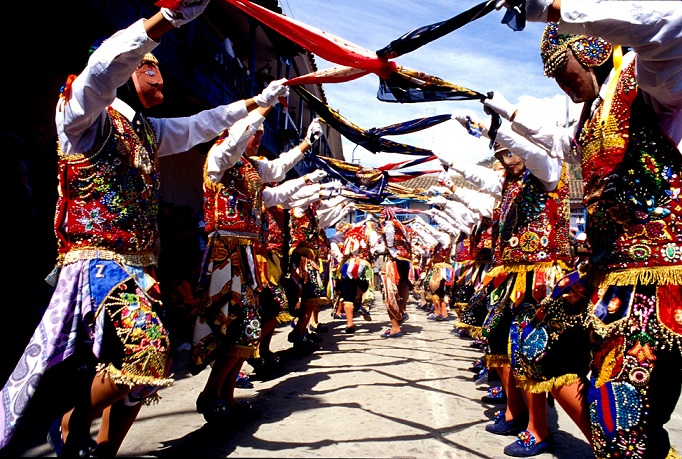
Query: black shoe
x=321, y=328
x=364, y=313
x=349, y=330
x=305, y=344
x=314, y=337
x=244, y=410
x=214, y=411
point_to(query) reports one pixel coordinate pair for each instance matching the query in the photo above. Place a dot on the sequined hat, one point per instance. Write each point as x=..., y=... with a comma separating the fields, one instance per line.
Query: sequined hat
x=149, y=57
x=590, y=51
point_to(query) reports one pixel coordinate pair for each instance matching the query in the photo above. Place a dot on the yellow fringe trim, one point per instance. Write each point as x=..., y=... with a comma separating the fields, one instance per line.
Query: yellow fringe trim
x=474, y=332
x=496, y=361
x=93, y=253
x=526, y=268
x=672, y=454
x=312, y=302
x=284, y=318
x=245, y=352
x=539, y=387
x=231, y=239
x=132, y=380
x=664, y=275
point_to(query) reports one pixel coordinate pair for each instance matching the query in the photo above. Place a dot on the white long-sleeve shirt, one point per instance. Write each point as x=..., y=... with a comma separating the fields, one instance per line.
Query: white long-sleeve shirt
x=225, y=154
x=653, y=30
x=81, y=119
x=479, y=203
x=330, y=211
x=282, y=194
x=483, y=178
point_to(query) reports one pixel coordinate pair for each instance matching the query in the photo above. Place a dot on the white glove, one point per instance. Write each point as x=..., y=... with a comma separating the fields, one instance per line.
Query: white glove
x=188, y=10
x=436, y=190
x=465, y=117
x=437, y=201
x=447, y=158
x=314, y=131
x=501, y=105
x=536, y=10
x=333, y=185
x=444, y=179
x=271, y=94
x=316, y=175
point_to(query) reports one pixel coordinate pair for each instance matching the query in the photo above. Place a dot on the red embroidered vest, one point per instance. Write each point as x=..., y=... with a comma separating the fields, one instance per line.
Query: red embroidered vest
x=441, y=253
x=481, y=240
x=108, y=197
x=632, y=175
x=303, y=230
x=462, y=249
x=356, y=238
x=401, y=242
x=533, y=224
x=234, y=206
x=275, y=237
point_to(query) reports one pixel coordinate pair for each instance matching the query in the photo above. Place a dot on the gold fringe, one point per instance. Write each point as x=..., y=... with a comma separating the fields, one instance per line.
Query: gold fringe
x=231, y=239
x=672, y=454
x=664, y=275
x=526, y=268
x=284, y=318
x=474, y=331
x=245, y=352
x=93, y=253
x=538, y=387
x=313, y=302
x=131, y=380
x=496, y=361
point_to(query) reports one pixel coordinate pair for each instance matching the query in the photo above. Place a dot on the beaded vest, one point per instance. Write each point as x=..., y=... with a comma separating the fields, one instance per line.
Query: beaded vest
x=632, y=175
x=533, y=223
x=356, y=244
x=234, y=206
x=275, y=220
x=481, y=240
x=462, y=248
x=108, y=197
x=303, y=230
x=401, y=242
x=441, y=253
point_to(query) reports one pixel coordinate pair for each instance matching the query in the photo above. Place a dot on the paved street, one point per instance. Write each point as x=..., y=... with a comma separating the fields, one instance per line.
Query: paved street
x=359, y=396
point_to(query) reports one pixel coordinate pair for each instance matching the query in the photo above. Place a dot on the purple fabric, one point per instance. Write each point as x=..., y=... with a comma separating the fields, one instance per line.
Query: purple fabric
x=53, y=341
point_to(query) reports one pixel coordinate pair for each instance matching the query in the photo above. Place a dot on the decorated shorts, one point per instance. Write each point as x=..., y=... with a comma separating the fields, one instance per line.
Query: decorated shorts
x=228, y=314
x=636, y=374
x=554, y=347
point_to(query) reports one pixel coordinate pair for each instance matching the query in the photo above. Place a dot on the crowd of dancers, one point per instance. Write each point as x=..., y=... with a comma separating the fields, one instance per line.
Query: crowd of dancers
x=603, y=338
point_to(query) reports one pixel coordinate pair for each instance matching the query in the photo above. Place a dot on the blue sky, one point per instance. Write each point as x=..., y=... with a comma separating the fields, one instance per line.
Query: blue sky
x=483, y=55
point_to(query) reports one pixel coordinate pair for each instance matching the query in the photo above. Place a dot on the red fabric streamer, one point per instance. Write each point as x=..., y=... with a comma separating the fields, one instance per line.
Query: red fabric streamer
x=172, y=4
x=338, y=74
x=325, y=45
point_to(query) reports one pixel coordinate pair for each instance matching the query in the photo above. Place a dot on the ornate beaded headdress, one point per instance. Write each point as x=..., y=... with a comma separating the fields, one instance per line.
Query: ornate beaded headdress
x=590, y=51
x=149, y=57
